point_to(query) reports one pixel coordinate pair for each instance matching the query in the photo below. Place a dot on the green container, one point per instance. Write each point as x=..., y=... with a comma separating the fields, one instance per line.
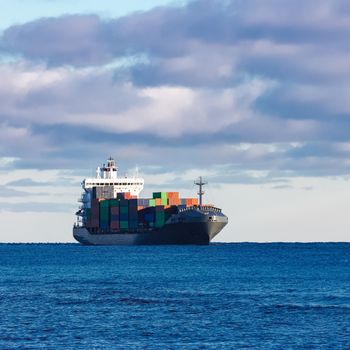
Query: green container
x=104, y=211
x=104, y=204
x=164, y=201
x=114, y=202
x=152, y=202
x=162, y=195
x=124, y=210
x=124, y=225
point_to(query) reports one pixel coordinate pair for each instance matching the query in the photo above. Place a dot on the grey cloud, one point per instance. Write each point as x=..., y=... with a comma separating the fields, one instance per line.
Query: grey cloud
x=209, y=46
x=37, y=207
x=6, y=192
x=28, y=183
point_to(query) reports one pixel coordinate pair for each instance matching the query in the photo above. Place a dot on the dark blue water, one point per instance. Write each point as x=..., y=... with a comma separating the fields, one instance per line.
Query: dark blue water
x=225, y=296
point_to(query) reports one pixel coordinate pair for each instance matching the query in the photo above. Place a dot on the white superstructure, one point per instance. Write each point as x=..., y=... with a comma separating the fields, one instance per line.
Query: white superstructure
x=107, y=185
x=107, y=175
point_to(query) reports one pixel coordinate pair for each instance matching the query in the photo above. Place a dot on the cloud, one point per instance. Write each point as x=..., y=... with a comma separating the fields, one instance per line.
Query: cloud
x=186, y=85
x=36, y=207
x=28, y=183
x=6, y=192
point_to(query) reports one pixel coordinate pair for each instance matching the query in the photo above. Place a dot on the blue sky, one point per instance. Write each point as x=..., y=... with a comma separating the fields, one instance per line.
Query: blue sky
x=250, y=94
x=19, y=11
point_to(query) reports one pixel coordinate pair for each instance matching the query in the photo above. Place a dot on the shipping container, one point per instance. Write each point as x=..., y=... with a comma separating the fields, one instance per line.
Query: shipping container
x=114, y=203
x=127, y=195
x=115, y=225
x=104, y=225
x=124, y=225
x=114, y=210
x=105, y=192
x=120, y=195
x=123, y=216
x=161, y=195
x=124, y=210
x=143, y=202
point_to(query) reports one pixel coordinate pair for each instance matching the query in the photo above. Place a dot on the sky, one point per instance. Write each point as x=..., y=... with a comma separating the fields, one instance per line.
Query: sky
x=252, y=95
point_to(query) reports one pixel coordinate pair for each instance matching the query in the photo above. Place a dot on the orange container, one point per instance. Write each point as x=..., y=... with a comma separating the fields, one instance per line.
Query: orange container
x=158, y=201
x=174, y=201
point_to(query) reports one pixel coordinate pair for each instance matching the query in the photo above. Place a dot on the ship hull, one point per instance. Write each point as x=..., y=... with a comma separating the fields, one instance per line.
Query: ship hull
x=200, y=233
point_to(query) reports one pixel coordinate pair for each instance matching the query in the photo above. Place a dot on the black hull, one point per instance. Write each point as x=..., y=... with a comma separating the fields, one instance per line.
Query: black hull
x=199, y=233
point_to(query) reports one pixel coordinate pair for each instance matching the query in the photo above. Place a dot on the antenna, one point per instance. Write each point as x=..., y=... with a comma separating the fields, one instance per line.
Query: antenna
x=200, y=183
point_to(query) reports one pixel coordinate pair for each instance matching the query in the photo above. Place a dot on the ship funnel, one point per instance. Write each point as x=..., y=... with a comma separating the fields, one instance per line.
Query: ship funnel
x=200, y=183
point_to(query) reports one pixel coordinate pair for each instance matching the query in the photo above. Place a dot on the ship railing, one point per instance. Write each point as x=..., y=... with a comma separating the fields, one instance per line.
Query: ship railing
x=202, y=208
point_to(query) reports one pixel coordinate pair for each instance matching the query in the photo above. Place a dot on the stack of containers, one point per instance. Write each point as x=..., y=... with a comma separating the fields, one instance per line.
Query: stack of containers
x=104, y=214
x=161, y=198
x=142, y=203
x=95, y=213
x=160, y=216
x=189, y=201
x=114, y=211
x=104, y=192
x=124, y=214
x=133, y=216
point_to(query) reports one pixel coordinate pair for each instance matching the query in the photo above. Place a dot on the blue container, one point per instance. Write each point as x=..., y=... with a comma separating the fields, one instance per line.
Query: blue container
x=133, y=202
x=133, y=224
x=104, y=225
x=123, y=217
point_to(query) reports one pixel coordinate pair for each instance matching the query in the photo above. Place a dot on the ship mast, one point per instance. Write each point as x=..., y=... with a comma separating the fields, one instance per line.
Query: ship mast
x=200, y=183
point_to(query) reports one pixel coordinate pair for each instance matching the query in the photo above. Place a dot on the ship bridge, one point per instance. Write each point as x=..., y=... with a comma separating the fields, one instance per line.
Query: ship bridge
x=107, y=175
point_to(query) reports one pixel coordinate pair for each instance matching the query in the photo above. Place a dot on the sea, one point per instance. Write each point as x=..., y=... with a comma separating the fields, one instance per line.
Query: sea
x=221, y=296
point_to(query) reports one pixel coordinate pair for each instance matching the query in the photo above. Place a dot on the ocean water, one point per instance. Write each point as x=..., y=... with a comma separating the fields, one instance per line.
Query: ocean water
x=222, y=296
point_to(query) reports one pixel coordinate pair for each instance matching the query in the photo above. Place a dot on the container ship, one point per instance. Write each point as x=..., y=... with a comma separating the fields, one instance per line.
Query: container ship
x=112, y=213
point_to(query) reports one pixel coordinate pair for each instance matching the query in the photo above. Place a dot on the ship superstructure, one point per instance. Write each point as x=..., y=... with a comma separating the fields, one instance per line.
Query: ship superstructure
x=113, y=213
x=107, y=175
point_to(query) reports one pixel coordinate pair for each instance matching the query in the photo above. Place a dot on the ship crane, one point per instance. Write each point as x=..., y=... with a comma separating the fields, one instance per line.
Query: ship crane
x=200, y=183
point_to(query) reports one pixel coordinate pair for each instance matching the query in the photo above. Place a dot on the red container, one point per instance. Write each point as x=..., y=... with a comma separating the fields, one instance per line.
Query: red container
x=127, y=195
x=114, y=210
x=158, y=201
x=115, y=225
